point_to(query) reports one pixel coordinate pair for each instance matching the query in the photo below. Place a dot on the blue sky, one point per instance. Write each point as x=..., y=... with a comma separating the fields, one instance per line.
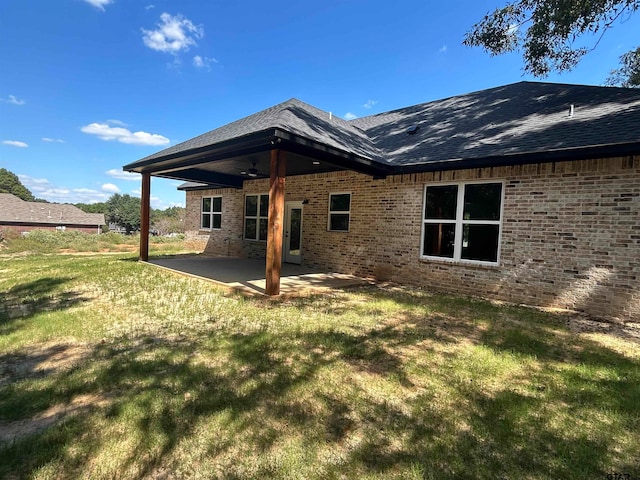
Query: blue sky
x=87, y=86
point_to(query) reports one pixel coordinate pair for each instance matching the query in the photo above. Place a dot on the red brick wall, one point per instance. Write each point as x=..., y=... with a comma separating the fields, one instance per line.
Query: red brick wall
x=570, y=232
x=28, y=228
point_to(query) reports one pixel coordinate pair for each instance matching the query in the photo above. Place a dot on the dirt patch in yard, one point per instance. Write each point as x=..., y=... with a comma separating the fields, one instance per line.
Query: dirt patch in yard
x=12, y=431
x=38, y=362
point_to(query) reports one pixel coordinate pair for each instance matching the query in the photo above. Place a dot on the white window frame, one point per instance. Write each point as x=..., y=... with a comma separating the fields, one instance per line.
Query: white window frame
x=210, y=213
x=460, y=222
x=256, y=217
x=339, y=212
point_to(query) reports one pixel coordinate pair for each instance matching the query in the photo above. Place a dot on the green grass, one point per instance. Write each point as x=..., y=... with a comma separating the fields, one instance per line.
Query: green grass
x=154, y=374
x=47, y=241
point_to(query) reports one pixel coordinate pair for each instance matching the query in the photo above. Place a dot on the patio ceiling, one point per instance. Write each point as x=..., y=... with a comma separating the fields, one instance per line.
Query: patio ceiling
x=226, y=164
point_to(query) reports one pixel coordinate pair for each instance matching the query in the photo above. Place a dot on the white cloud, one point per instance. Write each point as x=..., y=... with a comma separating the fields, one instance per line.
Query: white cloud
x=99, y=4
x=136, y=192
x=122, y=175
x=12, y=100
x=203, y=62
x=149, y=7
x=117, y=122
x=370, y=103
x=110, y=188
x=173, y=35
x=443, y=49
x=43, y=188
x=56, y=140
x=15, y=143
x=350, y=116
x=122, y=135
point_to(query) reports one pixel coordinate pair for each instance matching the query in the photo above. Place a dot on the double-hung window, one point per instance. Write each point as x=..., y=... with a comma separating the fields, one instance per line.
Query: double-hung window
x=211, y=215
x=339, y=212
x=462, y=222
x=256, y=215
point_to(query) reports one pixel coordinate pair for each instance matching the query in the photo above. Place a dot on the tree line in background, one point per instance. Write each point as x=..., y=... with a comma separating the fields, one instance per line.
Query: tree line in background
x=121, y=212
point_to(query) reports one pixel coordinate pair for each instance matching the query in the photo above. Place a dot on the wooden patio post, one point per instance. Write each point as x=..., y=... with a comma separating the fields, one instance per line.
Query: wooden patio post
x=277, y=171
x=144, y=217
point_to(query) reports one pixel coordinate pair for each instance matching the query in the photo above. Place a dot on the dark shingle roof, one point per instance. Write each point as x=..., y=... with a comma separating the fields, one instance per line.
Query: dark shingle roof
x=16, y=210
x=292, y=116
x=525, y=118
x=514, y=119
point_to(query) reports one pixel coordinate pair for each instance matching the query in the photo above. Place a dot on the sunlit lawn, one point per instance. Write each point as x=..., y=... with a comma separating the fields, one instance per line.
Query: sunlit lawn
x=114, y=369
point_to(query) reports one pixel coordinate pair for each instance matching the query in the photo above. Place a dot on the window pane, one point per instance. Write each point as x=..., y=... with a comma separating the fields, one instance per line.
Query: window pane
x=482, y=201
x=439, y=239
x=250, y=228
x=264, y=224
x=264, y=205
x=206, y=204
x=251, y=206
x=206, y=220
x=480, y=242
x=442, y=202
x=217, y=220
x=217, y=204
x=294, y=234
x=340, y=202
x=339, y=222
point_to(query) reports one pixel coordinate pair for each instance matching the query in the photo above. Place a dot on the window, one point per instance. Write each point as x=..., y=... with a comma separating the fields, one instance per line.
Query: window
x=462, y=222
x=256, y=214
x=339, y=212
x=211, y=217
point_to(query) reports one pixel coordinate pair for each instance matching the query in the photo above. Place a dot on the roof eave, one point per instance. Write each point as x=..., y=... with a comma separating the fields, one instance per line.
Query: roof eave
x=560, y=155
x=245, y=144
x=257, y=142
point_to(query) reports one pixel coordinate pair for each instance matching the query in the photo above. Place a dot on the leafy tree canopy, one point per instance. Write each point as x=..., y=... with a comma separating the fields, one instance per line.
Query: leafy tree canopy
x=123, y=210
x=628, y=75
x=552, y=27
x=99, y=207
x=10, y=183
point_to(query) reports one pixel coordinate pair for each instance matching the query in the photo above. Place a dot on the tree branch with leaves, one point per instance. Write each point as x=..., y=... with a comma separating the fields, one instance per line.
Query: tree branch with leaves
x=547, y=30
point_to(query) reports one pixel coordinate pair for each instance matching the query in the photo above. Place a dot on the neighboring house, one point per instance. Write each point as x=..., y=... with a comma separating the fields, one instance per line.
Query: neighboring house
x=21, y=216
x=528, y=193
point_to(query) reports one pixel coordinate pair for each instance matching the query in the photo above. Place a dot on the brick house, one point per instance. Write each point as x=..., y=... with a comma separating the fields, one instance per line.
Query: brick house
x=21, y=216
x=527, y=193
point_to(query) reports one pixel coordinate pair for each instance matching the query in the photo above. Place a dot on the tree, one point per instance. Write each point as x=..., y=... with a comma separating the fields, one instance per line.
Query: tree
x=170, y=220
x=10, y=183
x=99, y=207
x=124, y=211
x=554, y=25
x=628, y=75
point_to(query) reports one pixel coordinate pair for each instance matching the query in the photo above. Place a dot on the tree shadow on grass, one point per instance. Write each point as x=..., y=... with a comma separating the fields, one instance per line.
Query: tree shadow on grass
x=25, y=300
x=227, y=406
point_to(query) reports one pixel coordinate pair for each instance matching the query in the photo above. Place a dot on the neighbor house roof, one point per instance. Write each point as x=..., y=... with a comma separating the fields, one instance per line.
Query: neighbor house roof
x=517, y=123
x=15, y=210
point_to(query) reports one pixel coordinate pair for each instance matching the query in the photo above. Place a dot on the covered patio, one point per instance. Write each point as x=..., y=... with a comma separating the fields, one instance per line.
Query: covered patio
x=292, y=138
x=248, y=275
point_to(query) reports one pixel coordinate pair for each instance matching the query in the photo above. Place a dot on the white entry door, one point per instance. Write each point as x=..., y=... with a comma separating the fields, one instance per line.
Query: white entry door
x=292, y=241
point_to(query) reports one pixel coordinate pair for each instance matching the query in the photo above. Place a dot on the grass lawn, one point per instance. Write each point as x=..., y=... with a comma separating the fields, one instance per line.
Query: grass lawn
x=114, y=369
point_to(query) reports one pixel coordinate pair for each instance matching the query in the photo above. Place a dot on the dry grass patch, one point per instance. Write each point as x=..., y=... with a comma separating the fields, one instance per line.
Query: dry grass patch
x=162, y=376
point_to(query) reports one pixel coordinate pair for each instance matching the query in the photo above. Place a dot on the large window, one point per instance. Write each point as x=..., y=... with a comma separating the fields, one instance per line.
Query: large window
x=211, y=217
x=462, y=222
x=256, y=214
x=339, y=212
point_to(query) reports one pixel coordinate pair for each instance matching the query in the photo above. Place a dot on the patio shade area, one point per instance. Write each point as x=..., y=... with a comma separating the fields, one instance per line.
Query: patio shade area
x=248, y=275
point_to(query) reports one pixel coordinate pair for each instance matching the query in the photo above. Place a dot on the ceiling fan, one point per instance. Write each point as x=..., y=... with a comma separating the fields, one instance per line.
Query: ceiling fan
x=251, y=172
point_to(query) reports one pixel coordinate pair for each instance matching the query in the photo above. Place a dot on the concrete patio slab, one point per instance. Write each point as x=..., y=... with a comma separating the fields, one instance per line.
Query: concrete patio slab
x=248, y=275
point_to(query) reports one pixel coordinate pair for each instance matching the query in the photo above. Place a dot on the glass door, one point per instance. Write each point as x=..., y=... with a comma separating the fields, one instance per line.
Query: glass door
x=292, y=232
